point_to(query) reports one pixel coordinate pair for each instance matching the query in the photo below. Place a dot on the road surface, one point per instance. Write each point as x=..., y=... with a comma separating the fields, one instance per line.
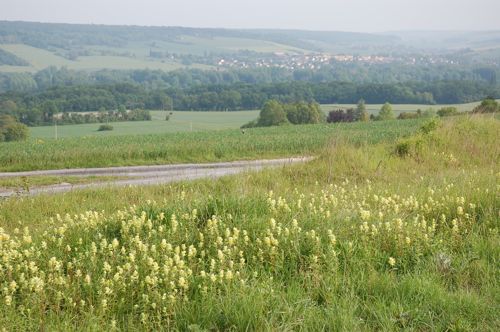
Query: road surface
x=143, y=175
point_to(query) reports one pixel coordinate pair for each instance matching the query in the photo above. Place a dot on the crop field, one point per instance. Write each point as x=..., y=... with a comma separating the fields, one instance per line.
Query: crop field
x=198, y=121
x=201, y=146
x=178, y=122
x=394, y=226
x=399, y=108
x=138, y=54
x=40, y=59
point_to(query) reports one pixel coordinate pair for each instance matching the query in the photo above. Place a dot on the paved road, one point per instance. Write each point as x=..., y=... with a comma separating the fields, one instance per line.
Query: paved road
x=144, y=175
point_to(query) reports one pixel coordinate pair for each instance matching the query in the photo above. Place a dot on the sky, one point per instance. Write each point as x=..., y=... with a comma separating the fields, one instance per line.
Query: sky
x=333, y=15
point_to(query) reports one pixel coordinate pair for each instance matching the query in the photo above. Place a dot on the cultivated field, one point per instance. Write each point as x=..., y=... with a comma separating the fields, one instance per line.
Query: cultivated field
x=201, y=146
x=178, y=122
x=399, y=108
x=380, y=232
x=196, y=121
x=40, y=59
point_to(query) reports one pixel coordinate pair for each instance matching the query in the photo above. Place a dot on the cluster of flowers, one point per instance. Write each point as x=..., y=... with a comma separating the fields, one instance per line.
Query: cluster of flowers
x=148, y=260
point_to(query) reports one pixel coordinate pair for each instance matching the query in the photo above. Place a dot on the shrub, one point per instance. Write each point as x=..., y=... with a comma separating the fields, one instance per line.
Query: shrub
x=251, y=124
x=447, y=111
x=11, y=130
x=408, y=115
x=488, y=105
x=341, y=116
x=429, y=126
x=105, y=127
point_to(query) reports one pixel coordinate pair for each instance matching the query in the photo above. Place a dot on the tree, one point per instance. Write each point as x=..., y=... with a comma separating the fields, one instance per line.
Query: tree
x=386, y=112
x=272, y=114
x=365, y=117
x=360, y=109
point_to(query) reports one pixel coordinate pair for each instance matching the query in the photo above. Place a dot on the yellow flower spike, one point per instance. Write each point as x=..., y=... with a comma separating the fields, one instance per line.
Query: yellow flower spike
x=392, y=261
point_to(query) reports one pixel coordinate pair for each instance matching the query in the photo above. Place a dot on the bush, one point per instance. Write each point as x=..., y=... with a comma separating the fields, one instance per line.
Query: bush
x=105, y=127
x=11, y=130
x=488, y=105
x=429, y=126
x=341, y=116
x=251, y=124
x=408, y=115
x=447, y=111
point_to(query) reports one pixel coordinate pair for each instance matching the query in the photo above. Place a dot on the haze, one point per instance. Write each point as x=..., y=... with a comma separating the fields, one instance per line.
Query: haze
x=342, y=15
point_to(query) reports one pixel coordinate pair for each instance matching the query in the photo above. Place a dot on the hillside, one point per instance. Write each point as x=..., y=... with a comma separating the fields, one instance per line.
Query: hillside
x=31, y=46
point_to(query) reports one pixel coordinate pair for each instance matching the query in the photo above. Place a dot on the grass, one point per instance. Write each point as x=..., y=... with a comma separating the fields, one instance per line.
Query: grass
x=40, y=59
x=202, y=146
x=24, y=183
x=178, y=122
x=199, y=121
x=358, y=239
x=139, y=54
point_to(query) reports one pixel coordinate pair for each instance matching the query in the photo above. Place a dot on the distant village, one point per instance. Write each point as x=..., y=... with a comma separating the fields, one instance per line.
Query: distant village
x=316, y=61
x=291, y=61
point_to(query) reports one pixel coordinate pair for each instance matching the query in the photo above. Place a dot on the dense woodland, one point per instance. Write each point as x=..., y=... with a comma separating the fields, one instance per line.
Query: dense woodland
x=188, y=78
x=92, y=98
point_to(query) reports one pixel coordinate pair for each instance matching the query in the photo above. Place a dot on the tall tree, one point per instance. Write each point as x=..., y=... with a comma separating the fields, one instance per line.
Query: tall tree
x=272, y=114
x=360, y=109
x=386, y=112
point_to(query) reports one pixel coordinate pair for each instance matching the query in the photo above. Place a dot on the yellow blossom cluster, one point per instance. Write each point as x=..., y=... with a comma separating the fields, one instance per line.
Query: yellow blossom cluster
x=148, y=260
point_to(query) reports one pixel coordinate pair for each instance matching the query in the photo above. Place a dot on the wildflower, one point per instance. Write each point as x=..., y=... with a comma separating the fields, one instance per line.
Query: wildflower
x=392, y=261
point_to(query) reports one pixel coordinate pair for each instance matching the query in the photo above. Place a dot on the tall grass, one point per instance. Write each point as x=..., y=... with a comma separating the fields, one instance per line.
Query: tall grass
x=362, y=238
x=191, y=147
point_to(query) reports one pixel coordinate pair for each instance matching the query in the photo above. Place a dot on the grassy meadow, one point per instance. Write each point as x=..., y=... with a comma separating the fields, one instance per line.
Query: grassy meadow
x=394, y=226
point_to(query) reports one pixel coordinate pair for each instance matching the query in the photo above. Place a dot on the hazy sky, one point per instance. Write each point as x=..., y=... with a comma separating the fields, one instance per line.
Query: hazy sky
x=346, y=15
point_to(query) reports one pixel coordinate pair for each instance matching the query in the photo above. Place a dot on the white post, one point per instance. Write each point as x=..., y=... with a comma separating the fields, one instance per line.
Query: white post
x=55, y=125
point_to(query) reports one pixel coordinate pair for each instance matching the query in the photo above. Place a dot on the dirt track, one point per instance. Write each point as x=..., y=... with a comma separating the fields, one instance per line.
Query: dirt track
x=144, y=175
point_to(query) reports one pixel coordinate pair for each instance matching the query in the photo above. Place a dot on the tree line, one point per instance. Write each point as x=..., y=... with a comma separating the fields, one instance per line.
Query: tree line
x=92, y=98
x=187, y=78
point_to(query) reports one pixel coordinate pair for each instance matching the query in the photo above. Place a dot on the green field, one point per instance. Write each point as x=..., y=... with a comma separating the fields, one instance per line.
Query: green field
x=40, y=59
x=390, y=228
x=201, y=146
x=178, y=122
x=198, y=121
x=138, y=54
